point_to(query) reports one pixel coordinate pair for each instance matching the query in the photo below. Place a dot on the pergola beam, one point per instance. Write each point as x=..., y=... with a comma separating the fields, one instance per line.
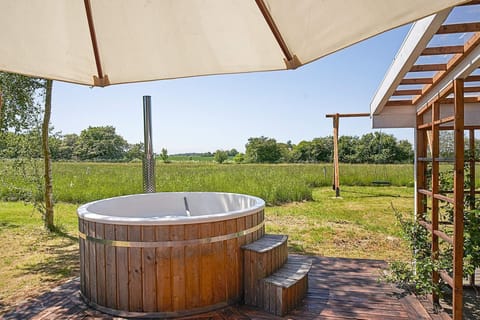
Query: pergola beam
x=429, y=67
x=412, y=92
x=459, y=28
x=433, y=51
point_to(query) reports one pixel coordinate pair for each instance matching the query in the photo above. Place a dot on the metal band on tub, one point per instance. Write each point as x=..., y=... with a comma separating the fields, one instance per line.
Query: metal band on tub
x=169, y=243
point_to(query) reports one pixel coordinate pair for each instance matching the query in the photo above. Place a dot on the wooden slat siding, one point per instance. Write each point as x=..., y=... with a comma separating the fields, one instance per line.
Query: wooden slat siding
x=281, y=301
x=177, y=232
x=248, y=225
x=232, y=256
x=262, y=214
x=220, y=286
x=82, y=255
x=111, y=269
x=285, y=289
x=92, y=263
x=192, y=268
x=121, y=234
x=254, y=223
x=100, y=264
x=248, y=278
x=207, y=266
x=260, y=264
x=262, y=258
x=135, y=270
x=240, y=242
x=164, y=272
x=269, y=298
x=149, y=271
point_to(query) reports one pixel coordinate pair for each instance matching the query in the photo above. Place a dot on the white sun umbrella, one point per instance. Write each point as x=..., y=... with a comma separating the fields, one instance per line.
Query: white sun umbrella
x=104, y=42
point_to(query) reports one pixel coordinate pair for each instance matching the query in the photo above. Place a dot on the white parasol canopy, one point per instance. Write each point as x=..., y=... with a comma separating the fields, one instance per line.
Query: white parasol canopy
x=103, y=42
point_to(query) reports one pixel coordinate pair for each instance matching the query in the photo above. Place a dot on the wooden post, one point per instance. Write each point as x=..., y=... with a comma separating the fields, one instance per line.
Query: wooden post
x=472, y=168
x=421, y=165
x=336, y=173
x=472, y=182
x=458, y=190
x=435, y=151
x=336, y=123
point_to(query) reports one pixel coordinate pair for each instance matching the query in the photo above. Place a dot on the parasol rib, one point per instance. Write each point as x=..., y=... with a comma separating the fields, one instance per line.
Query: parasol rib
x=101, y=80
x=291, y=60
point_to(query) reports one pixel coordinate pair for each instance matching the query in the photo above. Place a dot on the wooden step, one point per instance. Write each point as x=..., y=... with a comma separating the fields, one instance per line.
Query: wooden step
x=284, y=290
x=261, y=259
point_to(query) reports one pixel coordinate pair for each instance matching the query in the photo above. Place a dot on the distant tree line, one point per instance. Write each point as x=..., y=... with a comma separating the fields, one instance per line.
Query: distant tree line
x=93, y=144
x=374, y=147
x=104, y=144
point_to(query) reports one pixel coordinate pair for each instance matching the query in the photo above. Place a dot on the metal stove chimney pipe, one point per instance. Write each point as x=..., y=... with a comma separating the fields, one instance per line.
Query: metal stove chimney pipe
x=148, y=158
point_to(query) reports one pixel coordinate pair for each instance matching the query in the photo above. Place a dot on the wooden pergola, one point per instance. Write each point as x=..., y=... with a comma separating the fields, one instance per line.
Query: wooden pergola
x=434, y=85
x=336, y=127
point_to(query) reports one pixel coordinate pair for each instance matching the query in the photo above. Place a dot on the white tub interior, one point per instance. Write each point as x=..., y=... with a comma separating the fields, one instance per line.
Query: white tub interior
x=169, y=207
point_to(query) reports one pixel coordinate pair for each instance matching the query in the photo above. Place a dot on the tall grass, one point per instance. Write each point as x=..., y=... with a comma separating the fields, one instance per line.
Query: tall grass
x=79, y=182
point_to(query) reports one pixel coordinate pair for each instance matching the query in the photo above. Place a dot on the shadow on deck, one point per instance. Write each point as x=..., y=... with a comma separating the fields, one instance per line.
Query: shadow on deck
x=339, y=288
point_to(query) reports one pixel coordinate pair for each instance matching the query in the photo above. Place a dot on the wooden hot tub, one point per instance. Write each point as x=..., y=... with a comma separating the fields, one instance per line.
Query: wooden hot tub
x=166, y=254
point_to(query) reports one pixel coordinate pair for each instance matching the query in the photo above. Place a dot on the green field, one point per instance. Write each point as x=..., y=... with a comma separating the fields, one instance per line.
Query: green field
x=80, y=182
x=190, y=158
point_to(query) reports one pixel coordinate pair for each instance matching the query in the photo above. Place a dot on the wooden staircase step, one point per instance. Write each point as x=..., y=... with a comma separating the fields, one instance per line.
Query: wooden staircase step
x=284, y=290
x=261, y=259
x=266, y=243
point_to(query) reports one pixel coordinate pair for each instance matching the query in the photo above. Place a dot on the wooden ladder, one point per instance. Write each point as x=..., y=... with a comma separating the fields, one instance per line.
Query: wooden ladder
x=274, y=281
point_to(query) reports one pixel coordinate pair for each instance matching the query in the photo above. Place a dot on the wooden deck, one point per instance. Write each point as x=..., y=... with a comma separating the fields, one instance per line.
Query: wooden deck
x=338, y=289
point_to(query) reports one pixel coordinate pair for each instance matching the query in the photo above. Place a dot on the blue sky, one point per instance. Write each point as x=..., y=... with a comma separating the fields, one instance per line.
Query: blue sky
x=221, y=112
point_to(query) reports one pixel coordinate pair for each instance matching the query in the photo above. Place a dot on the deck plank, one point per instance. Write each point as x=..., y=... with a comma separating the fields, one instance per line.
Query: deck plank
x=338, y=289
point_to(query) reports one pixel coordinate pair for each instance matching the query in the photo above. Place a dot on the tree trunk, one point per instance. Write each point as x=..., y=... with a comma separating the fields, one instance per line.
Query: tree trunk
x=48, y=223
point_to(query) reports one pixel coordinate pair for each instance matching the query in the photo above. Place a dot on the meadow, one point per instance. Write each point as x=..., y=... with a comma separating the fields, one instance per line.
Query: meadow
x=301, y=203
x=80, y=182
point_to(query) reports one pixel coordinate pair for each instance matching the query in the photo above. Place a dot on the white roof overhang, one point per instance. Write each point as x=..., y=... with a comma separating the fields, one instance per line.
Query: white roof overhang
x=388, y=108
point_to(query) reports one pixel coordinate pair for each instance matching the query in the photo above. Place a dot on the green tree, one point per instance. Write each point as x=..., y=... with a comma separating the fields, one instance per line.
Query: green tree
x=232, y=153
x=135, y=151
x=286, y=152
x=302, y=152
x=239, y=158
x=66, y=149
x=164, y=155
x=20, y=113
x=20, y=110
x=321, y=149
x=404, y=152
x=348, y=148
x=262, y=150
x=100, y=144
x=377, y=147
x=220, y=156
